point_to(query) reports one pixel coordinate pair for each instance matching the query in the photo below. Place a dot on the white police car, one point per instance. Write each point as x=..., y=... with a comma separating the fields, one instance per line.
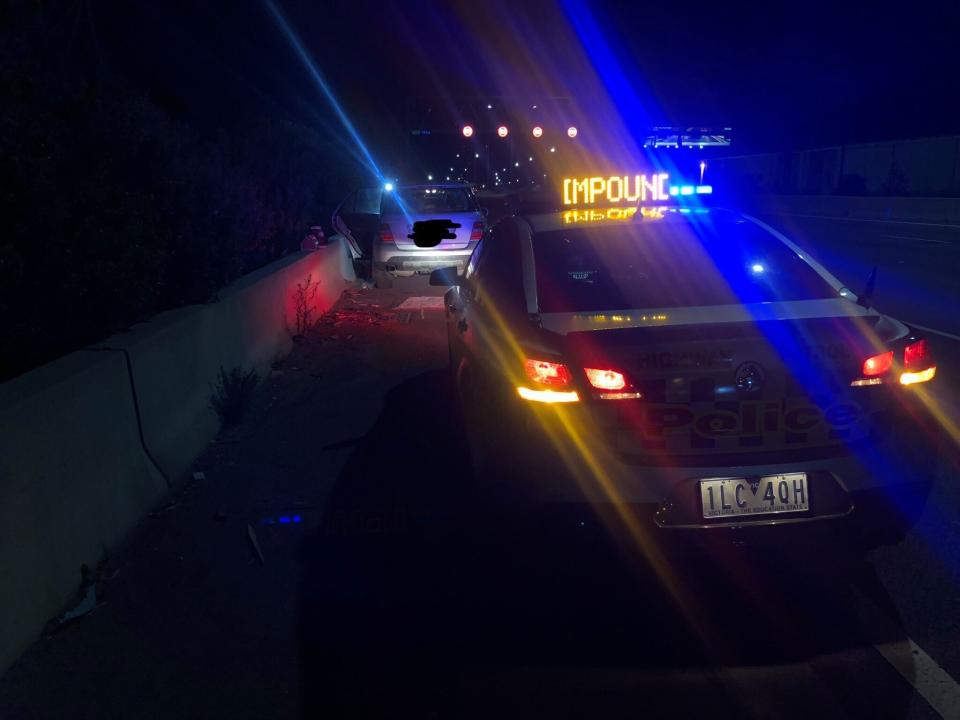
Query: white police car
x=691, y=365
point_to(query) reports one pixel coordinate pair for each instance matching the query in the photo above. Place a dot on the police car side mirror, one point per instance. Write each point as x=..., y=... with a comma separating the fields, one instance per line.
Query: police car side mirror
x=445, y=277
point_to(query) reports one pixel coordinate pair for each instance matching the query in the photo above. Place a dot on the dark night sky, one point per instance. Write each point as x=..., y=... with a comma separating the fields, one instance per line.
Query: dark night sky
x=783, y=75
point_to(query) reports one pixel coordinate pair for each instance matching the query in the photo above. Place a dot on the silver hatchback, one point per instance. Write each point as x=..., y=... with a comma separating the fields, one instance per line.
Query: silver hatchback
x=377, y=223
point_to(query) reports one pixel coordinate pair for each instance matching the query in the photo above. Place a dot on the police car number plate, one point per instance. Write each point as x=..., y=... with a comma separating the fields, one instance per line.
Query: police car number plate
x=767, y=495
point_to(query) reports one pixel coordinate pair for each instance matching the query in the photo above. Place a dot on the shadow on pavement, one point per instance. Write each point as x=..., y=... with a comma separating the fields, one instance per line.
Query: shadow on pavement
x=408, y=608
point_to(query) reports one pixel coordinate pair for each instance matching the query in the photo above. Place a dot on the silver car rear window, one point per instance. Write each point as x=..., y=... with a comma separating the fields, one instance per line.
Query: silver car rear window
x=426, y=201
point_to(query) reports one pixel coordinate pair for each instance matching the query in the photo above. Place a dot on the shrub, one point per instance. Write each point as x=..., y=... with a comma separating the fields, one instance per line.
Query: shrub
x=304, y=297
x=233, y=394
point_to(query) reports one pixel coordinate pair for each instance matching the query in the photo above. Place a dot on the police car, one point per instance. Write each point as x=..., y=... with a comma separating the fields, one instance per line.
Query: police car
x=688, y=363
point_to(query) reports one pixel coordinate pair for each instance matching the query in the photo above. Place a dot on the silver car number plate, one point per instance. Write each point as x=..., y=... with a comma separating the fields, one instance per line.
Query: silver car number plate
x=767, y=495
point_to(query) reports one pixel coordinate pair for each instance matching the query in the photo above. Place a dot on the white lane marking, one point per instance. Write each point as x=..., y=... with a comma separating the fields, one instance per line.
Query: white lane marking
x=951, y=336
x=931, y=681
x=952, y=226
x=421, y=303
x=916, y=239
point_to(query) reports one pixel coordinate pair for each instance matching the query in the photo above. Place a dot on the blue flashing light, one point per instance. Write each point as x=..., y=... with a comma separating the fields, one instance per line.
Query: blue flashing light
x=388, y=186
x=686, y=189
x=284, y=519
x=674, y=190
x=757, y=268
x=296, y=518
x=311, y=67
x=704, y=189
x=620, y=84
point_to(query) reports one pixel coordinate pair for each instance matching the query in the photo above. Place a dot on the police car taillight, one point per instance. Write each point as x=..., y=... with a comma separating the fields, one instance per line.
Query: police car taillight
x=545, y=372
x=917, y=363
x=555, y=376
x=386, y=234
x=917, y=366
x=916, y=355
x=477, y=232
x=878, y=364
x=606, y=379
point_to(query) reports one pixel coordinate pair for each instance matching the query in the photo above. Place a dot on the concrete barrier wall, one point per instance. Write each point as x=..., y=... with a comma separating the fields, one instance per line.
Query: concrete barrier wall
x=932, y=210
x=74, y=477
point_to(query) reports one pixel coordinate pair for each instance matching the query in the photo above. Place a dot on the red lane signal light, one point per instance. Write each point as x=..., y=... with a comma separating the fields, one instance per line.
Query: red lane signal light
x=537, y=131
x=502, y=131
x=572, y=131
x=467, y=131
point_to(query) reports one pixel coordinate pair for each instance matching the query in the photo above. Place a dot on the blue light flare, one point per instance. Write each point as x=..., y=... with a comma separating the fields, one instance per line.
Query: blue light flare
x=314, y=72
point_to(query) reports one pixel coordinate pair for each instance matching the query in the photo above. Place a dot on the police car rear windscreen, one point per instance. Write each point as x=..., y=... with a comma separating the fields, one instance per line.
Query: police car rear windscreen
x=669, y=264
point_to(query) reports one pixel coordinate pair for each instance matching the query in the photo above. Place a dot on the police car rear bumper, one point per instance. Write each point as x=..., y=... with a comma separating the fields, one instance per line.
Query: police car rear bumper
x=876, y=486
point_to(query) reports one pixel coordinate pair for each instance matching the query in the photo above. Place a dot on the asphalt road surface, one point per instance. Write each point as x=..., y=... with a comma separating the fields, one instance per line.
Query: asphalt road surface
x=327, y=564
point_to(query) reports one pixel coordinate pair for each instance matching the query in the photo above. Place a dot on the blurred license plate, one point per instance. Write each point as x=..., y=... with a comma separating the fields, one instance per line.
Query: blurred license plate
x=768, y=495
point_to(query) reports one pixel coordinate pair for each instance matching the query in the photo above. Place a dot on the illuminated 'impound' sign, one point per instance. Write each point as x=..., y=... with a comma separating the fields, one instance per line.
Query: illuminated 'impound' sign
x=614, y=189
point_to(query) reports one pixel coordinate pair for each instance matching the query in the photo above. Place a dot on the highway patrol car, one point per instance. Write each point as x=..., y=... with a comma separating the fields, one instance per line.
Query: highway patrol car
x=691, y=364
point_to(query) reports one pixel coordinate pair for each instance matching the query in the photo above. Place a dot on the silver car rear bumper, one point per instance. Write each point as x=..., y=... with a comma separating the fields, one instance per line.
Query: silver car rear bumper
x=387, y=258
